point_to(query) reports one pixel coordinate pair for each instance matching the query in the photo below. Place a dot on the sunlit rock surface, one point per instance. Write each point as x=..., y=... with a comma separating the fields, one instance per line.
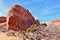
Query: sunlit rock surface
x=54, y=26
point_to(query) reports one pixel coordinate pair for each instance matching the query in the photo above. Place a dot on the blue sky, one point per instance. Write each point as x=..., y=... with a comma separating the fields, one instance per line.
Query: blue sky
x=44, y=10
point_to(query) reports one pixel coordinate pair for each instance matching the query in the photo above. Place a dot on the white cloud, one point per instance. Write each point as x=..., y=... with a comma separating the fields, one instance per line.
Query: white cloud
x=36, y=17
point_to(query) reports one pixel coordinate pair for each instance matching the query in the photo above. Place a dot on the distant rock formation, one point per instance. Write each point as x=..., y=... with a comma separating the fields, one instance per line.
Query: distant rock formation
x=2, y=19
x=54, y=26
x=19, y=18
x=54, y=22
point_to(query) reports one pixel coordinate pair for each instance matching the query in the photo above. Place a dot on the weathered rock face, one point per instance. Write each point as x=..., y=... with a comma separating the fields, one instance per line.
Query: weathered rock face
x=2, y=19
x=19, y=18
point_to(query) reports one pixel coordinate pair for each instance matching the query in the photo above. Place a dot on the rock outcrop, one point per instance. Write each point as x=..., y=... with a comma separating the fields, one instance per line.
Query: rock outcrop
x=54, y=27
x=55, y=22
x=2, y=19
x=19, y=18
x=37, y=22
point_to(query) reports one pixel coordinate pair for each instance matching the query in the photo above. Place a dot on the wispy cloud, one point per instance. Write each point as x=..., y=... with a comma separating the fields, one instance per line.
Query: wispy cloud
x=31, y=1
x=54, y=7
x=36, y=17
x=48, y=10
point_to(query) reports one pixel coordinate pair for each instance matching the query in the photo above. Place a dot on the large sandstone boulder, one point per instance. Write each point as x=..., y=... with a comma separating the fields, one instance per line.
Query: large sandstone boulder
x=2, y=19
x=19, y=18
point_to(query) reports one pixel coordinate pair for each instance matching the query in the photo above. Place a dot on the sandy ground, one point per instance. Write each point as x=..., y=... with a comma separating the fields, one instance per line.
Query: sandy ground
x=3, y=36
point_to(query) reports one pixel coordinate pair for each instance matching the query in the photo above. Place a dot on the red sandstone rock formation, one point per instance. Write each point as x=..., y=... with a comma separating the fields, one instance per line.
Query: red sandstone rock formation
x=2, y=19
x=19, y=18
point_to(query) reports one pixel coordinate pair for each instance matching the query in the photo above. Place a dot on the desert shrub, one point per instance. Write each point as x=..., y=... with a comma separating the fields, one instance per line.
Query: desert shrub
x=33, y=28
